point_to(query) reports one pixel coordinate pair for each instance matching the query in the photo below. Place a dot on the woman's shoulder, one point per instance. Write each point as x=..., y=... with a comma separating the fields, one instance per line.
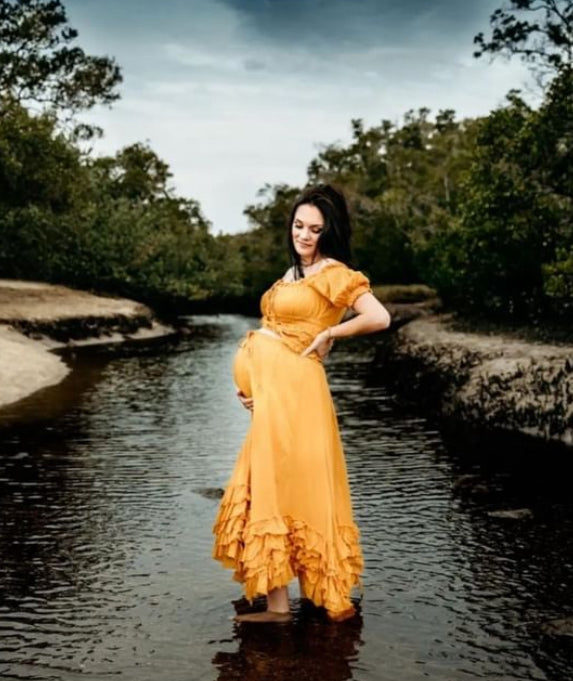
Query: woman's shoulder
x=340, y=283
x=336, y=268
x=333, y=261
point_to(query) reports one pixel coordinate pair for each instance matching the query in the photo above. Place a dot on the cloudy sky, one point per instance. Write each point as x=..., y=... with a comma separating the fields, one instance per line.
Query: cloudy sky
x=235, y=94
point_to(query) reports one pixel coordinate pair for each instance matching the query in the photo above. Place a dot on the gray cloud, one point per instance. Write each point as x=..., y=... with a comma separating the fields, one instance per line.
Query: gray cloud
x=344, y=24
x=254, y=65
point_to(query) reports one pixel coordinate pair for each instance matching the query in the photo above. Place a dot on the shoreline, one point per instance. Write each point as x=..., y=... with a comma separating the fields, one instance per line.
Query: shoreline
x=37, y=320
x=492, y=382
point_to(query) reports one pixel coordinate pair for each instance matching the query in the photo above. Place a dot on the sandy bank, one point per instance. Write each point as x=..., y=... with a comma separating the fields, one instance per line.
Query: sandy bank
x=486, y=381
x=36, y=318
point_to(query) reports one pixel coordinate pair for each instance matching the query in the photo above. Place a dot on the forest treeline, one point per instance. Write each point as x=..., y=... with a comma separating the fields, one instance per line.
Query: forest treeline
x=480, y=209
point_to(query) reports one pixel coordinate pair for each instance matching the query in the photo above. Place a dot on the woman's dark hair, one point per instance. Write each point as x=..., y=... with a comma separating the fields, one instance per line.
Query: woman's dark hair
x=334, y=240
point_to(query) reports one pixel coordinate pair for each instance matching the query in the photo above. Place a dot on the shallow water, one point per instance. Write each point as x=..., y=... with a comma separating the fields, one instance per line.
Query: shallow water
x=106, y=486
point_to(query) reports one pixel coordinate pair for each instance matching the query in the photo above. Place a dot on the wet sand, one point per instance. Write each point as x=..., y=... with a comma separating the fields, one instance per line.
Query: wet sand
x=37, y=319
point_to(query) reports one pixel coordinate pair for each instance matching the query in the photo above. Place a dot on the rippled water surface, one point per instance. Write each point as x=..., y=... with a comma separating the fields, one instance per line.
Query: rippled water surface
x=108, y=494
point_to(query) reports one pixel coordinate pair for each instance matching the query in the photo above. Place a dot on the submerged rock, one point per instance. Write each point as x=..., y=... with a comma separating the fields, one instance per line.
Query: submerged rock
x=210, y=492
x=558, y=627
x=512, y=513
x=471, y=484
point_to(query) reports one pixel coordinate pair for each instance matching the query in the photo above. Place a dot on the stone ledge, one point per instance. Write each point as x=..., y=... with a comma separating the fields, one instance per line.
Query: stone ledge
x=487, y=381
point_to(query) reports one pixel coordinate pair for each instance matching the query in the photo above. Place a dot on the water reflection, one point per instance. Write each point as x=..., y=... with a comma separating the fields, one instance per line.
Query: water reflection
x=307, y=649
x=109, y=484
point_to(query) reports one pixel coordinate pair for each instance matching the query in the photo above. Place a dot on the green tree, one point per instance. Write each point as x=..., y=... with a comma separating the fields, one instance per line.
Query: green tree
x=143, y=240
x=135, y=173
x=540, y=32
x=41, y=65
x=40, y=177
x=109, y=224
x=402, y=182
x=509, y=251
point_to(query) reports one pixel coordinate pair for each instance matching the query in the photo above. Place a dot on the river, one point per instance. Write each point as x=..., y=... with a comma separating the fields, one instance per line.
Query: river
x=108, y=493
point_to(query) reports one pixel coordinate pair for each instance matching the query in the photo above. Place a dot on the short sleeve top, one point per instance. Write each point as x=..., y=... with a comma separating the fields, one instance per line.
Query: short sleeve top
x=299, y=310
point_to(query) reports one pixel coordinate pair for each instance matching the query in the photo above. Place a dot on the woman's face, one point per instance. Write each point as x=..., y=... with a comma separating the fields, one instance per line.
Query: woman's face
x=306, y=228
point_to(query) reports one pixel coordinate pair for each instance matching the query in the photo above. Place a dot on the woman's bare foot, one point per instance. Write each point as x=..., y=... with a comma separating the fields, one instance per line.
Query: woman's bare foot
x=278, y=609
x=264, y=616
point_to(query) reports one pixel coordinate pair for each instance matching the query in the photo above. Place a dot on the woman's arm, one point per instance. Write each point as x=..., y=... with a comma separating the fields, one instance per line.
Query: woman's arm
x=371, y=316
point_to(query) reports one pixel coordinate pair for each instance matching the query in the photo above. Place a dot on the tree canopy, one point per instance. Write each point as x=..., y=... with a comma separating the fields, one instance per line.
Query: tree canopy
x=40, y=64
x=540, y=32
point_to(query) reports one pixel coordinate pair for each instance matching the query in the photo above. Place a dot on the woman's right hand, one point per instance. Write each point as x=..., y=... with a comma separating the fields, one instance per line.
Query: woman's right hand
x=322, y=345
x=247, y=402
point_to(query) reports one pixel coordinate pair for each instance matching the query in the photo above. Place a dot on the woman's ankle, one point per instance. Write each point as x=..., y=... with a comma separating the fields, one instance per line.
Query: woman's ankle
x=278, y=601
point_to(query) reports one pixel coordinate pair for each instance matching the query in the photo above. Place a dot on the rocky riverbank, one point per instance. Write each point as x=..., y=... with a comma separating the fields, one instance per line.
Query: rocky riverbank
x=38, y=319
x=491, y=381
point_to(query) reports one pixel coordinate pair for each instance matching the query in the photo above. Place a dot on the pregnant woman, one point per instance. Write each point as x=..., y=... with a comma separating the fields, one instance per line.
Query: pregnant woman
x=287, y=511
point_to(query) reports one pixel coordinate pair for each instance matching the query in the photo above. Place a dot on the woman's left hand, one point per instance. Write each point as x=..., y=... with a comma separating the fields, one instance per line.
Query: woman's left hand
x=322, y=344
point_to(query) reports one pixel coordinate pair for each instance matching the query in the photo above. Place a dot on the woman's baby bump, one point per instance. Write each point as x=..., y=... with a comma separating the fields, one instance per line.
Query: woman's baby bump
x=241, y=369
x=242, y=361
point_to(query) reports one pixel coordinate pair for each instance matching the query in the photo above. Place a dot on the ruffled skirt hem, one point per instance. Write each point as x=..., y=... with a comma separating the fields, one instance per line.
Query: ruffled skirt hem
x=269, y=553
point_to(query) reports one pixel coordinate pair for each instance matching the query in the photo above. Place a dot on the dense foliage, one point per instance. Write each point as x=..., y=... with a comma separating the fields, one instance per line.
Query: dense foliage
x=510, y=249
x=112, y=223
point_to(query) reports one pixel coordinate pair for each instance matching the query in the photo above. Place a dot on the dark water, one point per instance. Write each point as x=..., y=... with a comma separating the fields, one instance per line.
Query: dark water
x=105, y=534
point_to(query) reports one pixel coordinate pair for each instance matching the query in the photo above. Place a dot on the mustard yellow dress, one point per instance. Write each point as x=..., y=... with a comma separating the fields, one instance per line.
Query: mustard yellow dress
x=286, y=511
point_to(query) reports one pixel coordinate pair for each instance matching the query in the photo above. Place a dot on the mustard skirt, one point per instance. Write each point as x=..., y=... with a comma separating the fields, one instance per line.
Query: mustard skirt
x=286, y=511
